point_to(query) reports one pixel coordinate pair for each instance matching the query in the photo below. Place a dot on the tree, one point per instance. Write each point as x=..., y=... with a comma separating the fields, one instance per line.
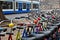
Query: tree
x=2, y=17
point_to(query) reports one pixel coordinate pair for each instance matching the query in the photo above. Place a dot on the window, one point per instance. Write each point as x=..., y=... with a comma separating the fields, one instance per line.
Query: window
x=29, y=6
x=6, y=4
x=24, y=5
x=35, y=6
x=16, y=5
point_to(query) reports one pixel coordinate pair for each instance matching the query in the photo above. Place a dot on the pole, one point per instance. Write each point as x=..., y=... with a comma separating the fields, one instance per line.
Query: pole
x=31, y=6
x=14, y=5
x=39, y=7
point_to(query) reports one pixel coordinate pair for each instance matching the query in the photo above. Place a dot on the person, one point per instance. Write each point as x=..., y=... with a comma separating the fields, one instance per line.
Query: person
x=58, y=34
